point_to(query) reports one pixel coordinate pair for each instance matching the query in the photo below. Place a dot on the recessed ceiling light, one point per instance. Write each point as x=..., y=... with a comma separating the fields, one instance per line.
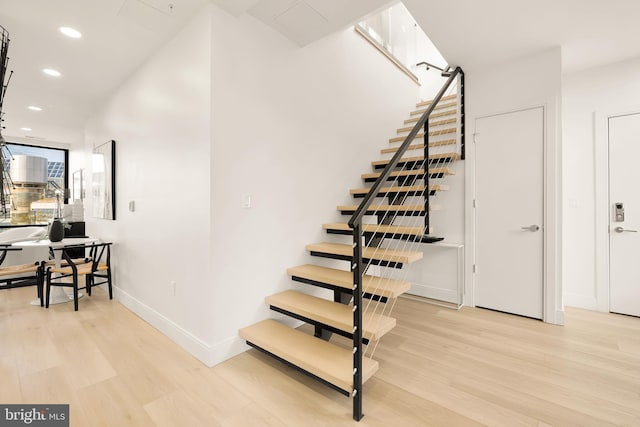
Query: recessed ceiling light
x=70, y=32
x=51, y=72
x=34, y=108
x=26, y=129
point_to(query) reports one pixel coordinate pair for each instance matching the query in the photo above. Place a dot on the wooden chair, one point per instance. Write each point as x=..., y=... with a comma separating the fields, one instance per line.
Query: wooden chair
x=18, y=276
x=97, y=265
x=100, y=254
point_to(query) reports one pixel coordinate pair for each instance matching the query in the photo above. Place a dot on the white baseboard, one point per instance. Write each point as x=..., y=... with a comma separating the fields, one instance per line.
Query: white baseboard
x=209, y=354
x=580, y=301
x=185, y=339
x=432, y=292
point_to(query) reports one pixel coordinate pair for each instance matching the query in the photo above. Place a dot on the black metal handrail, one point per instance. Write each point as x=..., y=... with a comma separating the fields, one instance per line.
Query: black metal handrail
x=445, y=71
x=375, y=189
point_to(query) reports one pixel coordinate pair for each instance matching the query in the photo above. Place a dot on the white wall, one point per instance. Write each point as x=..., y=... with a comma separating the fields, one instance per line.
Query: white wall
x=231, y=108
x=589, y=97
x=529, y=82
x=294, y=128
x=160, y=120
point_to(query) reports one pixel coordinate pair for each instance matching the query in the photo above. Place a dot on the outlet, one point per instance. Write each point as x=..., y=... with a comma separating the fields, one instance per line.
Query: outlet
x=173, y=288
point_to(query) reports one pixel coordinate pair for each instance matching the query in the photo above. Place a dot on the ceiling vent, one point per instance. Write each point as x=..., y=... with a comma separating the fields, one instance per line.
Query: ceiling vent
x=302, y=23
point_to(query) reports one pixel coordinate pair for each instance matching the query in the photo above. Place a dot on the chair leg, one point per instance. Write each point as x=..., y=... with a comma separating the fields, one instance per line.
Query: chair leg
x=48, y=288
x=75, y=292
x=40, y=284
x=88, y=279
x=109, y=283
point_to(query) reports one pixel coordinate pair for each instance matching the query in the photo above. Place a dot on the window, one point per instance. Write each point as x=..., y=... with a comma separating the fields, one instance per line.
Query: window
x=16, y=209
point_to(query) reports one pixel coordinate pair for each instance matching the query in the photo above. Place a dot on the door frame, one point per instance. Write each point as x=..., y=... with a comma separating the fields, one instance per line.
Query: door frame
x=602, y=212
x=552, y=310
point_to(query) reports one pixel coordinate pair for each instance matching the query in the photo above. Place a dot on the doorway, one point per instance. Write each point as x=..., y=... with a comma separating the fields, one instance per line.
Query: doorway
x=509, y=212
x=624, y=217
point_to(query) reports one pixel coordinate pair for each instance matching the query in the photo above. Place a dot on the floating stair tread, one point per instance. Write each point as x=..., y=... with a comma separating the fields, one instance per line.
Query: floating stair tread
x=389, y=288
x=328, y=361
x=430, y=101
x=437, y=107
x=432, y=116
x=421, y=135
x=400, y=189
x=431, y=124
x=381, y=254
x=334, y=314
x=378, y=228
x=454, y=156
x=389, y=208
x=410, y=172
x=420, y=146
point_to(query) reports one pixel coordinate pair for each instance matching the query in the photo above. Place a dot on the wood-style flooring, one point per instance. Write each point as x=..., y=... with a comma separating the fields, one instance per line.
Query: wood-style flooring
x=438, y=367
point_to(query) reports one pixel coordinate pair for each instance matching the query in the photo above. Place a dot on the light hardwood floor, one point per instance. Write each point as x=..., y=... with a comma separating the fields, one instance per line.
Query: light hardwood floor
x=437, y=367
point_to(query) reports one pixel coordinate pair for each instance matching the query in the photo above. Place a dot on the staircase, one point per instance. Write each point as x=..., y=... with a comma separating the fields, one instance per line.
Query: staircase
x=404, y=184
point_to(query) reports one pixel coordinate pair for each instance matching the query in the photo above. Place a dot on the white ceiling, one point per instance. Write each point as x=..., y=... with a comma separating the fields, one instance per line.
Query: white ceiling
x=119, y=35
x=590, y=32
x=304, y=21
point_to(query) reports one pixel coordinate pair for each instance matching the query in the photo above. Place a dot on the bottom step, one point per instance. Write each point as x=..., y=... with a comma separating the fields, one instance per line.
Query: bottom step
x=322, y=359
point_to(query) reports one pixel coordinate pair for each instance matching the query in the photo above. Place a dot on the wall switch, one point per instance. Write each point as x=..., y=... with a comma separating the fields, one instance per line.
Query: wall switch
x=132, y=206
x=246, y=201
x=173, y=287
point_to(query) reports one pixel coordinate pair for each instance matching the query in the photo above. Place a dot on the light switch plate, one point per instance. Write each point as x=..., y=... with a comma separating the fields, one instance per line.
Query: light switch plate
x=246, y=201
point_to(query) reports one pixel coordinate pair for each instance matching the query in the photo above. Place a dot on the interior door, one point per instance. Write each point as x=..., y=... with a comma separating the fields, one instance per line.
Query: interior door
x=624, y=222
x=509, y=228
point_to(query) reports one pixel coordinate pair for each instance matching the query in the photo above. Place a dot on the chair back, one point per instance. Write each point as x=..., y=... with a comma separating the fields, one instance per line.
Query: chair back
x=99, y=254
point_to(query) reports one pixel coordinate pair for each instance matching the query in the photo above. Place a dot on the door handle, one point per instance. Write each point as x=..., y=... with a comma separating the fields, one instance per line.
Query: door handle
x=533, y=228
x=622, y=230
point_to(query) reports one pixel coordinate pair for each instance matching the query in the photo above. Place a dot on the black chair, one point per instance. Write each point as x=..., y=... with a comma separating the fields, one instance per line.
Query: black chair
x=18, y=276
x=97, y=265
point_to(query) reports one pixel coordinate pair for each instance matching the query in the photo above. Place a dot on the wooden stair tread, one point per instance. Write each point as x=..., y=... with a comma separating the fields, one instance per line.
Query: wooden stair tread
x=390, y=208
x=430, y=101
x=328, y=361
x=421, y=135
x=443, y=106
x=389, y=288
x=420, y=146
x=410, y=172
x=381, y=254
x=432, y=116
x=453, y=156
x=377, y=228
x=334, y=314
x=400, y=189
x=431, y=124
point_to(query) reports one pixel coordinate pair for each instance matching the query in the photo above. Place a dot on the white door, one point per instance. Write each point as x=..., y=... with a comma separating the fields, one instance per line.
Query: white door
x=509, y=229
x=624, y=239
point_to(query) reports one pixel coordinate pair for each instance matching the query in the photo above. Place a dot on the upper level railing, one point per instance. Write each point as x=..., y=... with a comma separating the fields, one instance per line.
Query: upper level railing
x=356, y=223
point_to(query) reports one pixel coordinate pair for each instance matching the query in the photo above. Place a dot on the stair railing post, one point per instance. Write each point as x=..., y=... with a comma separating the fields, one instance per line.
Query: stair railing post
x=461, y=91
x=427, y=190
x=355, y=223
x=357, y=269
